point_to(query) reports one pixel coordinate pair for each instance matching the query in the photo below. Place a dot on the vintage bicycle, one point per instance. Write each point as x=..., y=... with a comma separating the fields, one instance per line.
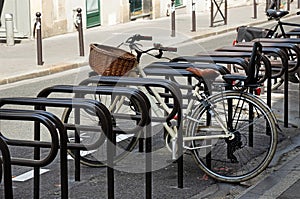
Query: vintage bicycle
x=231, y=133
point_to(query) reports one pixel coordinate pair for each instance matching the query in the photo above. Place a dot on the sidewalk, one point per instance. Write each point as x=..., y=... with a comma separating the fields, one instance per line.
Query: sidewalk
x=62, y=52
x=283, y=183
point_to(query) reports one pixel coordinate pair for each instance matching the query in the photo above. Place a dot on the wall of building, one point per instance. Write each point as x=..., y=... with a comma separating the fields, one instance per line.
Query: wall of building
x=111, y=13
x=58, y=16
x=21, y=17
x=156, y=9
x=165, y=7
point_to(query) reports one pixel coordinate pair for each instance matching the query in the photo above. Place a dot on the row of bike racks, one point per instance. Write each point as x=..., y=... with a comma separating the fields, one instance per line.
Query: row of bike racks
x=57, y=129
x=115, y=86
x=38, y=117
x=144, y=122
x=40, y=104
x=279, y=51
x=236, y=55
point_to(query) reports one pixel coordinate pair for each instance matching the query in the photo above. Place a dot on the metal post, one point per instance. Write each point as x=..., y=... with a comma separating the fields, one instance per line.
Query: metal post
x=80, y=31
x=225, y=13
x=148, y=173
x=212, y=13
x=278, y=3
x=1, y=8
x=298, y=99
x=267, y=5
x=255, y=9
x=173, y=18
x=38, y=28
x=288, y=5
x=6, y=161
x=9, y=26
x=298, y=4
x=36, y=154
x=193, y=16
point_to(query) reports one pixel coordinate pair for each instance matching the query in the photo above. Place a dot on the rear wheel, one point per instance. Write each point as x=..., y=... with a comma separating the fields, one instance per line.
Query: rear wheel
x=255, y=136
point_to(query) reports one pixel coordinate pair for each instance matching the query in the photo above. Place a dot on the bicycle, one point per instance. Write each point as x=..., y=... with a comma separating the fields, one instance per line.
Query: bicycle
x=276, y=31
x=232, y=134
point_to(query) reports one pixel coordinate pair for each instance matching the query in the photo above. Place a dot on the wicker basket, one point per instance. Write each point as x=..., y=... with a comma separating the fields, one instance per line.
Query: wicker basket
x=110, y=61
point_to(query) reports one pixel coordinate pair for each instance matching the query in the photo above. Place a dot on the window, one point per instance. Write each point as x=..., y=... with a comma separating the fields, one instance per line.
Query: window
x=135, y=5
x=178, y=2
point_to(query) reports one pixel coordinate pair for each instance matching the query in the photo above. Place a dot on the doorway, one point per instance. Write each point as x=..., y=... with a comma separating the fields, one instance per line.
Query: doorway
x=93, y=13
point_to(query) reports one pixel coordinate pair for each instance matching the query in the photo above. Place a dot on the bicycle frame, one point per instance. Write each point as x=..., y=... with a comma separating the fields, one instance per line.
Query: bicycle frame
x=158, y=110
x=281, y=25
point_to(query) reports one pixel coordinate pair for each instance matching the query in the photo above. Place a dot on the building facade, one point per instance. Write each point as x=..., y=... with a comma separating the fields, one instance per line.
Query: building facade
x=59, y=16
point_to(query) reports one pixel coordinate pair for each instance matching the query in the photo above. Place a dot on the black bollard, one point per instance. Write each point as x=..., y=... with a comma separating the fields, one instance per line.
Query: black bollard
x=225, y=12
x=80, y=31
x=1, y=8
x=193, y=16
x=254, y=9
x=173, y=18
x=38, y=29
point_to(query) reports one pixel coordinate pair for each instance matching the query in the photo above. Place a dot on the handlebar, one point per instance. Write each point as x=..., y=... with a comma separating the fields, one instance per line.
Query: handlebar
x=133, y=45
x=145, y=38
x=138, y=37
x=158, y=46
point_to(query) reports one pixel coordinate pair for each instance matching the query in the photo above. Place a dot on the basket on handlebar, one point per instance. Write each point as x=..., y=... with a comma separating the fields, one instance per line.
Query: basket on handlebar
x=110, y=61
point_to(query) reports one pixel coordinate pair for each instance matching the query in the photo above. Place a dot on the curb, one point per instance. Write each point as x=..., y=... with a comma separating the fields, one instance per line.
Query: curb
x=275, y=178
x=233, y=29
x=44, y=72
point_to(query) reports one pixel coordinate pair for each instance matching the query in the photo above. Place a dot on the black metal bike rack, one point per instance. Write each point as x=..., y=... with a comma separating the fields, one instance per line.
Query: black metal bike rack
x=281, y=40
x=282, y=54
x=183, y=65
x=211, y=57
x=292, y=50
x=289, y=47
x=144, y=122
x=207, y=58
x=170, y=70
x=27, y=115
x=6, y=162
x=41, y=104
x=236, y=58
x=174, y=92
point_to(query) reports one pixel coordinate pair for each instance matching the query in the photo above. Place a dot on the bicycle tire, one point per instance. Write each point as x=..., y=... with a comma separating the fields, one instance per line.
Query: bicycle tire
x=244, y=157
x=97, y=157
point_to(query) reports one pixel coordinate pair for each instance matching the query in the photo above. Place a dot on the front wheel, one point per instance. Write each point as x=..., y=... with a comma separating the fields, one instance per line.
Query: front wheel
x=126, y=140
x=255, y=136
